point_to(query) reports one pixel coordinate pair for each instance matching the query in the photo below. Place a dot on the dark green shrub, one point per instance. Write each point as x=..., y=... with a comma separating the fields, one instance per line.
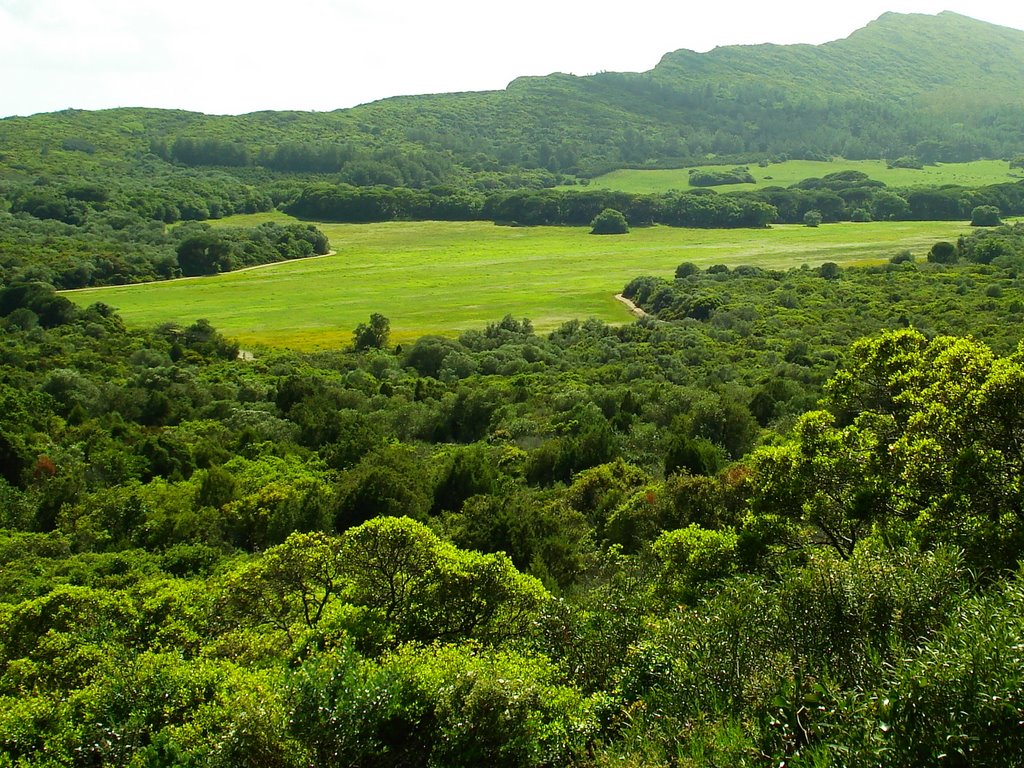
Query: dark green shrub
x=609, y=222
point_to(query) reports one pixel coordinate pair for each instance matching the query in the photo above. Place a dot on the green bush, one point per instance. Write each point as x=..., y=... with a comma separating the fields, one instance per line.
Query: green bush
x=692, y=557
x=609, y=222
x=812, y=219
x=985, y=216
x=441, y=706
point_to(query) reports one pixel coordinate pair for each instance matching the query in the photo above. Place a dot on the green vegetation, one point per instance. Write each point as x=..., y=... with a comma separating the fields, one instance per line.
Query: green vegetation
x=706, y=177
x=663, y=541
x=434, y=277
x=985, y=216
x=609, y=222
x=933, y=88
x=449, y=506
x=973, y=174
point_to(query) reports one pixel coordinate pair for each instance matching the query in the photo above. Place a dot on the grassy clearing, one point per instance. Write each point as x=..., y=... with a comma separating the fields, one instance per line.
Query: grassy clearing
x=975, y=174
x=444, y=277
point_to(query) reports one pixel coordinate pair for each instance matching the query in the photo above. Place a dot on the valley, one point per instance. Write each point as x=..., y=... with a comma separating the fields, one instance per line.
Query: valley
x=447, y=277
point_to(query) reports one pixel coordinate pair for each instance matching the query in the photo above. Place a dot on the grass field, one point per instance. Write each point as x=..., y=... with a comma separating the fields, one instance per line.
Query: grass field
x=444, y=277
x=977, y=173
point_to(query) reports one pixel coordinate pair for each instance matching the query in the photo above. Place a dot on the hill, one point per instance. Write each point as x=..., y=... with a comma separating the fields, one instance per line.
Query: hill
x=896, y=56
x=941, y=88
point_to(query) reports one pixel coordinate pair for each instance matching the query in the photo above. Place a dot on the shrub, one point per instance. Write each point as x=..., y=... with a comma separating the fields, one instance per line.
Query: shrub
x=712, y=178
x=693, y=556
x=812, y=218
x=985, y=216
x=906, y=162
x=686, y=269
x=442, y=705
x=942, y=253
x=609, y=222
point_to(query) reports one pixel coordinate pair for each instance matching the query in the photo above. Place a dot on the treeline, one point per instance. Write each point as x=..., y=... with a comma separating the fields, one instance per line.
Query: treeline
x=166, y=197
x=348, y=162
x=327, y=202
x=745, y=297
x=852, y=196
x=692, y=124
x=112, y=248
x=841, y=196
x=225, y=249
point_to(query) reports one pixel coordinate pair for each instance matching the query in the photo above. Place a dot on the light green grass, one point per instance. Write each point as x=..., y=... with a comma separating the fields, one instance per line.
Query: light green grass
x=253, y=219
x=974, y=174
x=444, y=277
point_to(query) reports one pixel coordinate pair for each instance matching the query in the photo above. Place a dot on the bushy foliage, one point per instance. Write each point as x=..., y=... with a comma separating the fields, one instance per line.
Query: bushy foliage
x=737, y=175
x=297, y=558
x=665, y=543
x=985, y=216
x=609, y=222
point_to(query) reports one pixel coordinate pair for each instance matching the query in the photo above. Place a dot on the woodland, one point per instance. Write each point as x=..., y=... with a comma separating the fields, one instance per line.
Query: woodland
x=777, y=520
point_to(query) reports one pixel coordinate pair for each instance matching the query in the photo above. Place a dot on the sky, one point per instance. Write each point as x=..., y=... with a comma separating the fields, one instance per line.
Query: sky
x=234, y=56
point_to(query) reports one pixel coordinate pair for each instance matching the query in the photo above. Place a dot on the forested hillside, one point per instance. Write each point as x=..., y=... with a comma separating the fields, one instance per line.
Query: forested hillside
x=940, y=88
x=84, y=196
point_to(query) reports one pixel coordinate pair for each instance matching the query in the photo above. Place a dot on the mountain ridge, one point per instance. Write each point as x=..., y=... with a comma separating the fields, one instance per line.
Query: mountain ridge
x=901, y=80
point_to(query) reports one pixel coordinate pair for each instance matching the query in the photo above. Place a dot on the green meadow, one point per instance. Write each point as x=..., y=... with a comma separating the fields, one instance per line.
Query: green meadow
x=975, y=174
x=444, y=277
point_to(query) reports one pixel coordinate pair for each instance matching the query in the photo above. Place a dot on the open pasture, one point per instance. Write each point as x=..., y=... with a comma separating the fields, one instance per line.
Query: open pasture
x=975, y=174
x=444, y=277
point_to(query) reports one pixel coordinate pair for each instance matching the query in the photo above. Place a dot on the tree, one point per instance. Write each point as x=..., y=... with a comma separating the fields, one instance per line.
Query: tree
x=609, y=222
x=922, y=435
x=812, y=218
x=288, y=587
x=372, y=335
x=686, y=269
x=942, y=253
x=985, y=216
x=204, y=254
x=822, y=479
x=888, y=206
x=390, y=481
x=426, y=589
x=698, y=456
x=829, y=270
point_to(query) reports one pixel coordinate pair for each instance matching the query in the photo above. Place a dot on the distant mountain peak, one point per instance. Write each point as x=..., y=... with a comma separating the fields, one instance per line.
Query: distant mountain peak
x=897, y=55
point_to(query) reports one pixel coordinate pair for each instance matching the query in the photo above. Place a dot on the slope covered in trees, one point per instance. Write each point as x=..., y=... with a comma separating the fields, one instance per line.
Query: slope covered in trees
x=934, y=87
x=84, y=195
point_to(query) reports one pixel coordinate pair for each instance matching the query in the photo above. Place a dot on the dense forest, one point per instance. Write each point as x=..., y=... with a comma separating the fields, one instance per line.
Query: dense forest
x=775, y=521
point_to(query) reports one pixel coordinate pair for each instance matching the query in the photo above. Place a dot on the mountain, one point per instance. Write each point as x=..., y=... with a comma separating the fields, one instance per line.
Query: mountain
x=894, y=57
x=943, y=87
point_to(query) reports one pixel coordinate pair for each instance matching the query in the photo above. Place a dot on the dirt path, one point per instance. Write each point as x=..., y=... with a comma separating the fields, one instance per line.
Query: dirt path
x=198, y=277
x=632, y=307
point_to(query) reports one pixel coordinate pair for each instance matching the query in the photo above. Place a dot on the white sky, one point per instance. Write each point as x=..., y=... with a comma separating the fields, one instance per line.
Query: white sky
x=231, y=56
